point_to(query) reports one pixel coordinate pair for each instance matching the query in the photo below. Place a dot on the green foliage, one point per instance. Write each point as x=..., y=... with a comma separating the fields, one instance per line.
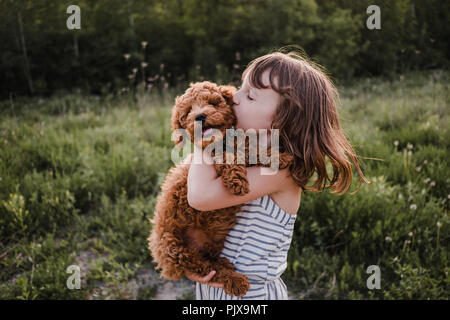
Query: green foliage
x=39, y=270
x=192, y=40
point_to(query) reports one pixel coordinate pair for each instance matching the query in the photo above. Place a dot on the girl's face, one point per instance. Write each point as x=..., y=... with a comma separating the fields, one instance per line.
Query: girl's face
x=255, y=108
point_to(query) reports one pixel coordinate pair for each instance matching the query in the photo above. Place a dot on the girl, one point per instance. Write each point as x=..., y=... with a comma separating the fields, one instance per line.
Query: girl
x=281, y=91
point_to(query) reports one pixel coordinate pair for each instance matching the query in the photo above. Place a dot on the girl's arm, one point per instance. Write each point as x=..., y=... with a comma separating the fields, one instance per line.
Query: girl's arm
x=206, y=191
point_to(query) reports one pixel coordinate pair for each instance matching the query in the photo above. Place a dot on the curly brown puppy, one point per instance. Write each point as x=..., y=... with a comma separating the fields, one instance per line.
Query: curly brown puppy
x=186, y=239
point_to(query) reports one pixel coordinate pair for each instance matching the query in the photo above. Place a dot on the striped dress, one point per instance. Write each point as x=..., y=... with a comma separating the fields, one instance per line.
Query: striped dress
x=257, y=246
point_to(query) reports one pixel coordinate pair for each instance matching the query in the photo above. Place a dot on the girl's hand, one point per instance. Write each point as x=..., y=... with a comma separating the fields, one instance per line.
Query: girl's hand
x=205, y=280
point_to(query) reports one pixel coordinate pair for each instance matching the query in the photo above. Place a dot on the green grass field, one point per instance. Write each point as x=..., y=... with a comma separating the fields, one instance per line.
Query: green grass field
x=79, y=176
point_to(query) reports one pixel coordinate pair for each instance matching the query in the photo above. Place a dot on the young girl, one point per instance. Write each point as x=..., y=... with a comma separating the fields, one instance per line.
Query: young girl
x=280, y=91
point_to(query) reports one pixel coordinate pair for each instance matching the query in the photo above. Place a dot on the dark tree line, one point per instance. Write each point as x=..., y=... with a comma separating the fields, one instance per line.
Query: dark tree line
x=173, y=41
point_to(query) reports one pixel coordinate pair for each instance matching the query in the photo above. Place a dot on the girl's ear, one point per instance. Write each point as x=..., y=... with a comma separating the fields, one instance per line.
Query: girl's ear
x=227, y=92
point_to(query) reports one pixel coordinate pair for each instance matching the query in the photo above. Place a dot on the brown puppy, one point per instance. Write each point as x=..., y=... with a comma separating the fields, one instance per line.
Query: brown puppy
x=182, y=237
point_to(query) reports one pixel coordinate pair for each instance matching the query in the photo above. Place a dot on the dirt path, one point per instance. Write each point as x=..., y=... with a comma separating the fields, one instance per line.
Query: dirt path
x=146, y=280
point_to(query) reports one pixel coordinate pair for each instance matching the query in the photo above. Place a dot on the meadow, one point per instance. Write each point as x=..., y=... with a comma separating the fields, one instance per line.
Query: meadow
x=79, y=177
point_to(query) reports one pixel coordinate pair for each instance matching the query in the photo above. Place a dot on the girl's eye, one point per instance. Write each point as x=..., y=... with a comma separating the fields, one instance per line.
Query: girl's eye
x=249, y=98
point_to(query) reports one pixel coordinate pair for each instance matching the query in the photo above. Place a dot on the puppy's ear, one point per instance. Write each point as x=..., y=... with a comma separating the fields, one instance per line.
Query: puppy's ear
x=227, y=92
x=177, y=112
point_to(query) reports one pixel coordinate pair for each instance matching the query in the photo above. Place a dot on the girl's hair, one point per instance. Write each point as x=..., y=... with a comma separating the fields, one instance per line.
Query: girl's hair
x=307, y=120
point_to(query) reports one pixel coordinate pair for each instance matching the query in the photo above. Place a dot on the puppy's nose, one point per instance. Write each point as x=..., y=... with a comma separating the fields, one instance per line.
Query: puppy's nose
x=200, y=117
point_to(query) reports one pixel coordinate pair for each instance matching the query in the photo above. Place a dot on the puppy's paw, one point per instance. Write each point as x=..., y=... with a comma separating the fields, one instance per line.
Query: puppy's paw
x=237, y=285
x=236, y=186
x=235, y=180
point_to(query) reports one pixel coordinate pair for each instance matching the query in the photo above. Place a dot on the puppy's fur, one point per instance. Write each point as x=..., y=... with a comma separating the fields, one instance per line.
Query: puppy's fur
x=186, y=239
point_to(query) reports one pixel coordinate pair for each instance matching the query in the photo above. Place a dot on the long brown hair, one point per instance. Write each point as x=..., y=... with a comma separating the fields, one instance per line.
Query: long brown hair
x=307, y=120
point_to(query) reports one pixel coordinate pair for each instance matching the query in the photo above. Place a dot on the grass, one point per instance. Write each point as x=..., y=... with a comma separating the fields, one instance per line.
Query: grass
x=79, y=176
